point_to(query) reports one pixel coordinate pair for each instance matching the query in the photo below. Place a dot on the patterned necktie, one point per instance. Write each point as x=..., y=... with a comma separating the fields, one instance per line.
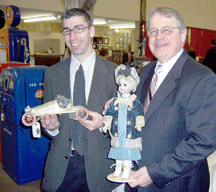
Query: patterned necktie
x=78, y=99
x=155, y=80
x=153, y=86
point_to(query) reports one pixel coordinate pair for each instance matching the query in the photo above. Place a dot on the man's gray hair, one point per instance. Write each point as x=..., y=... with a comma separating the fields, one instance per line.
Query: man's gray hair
x=167, y=12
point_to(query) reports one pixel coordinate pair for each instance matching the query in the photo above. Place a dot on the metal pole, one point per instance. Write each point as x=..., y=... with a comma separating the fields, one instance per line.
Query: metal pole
x=141, y=27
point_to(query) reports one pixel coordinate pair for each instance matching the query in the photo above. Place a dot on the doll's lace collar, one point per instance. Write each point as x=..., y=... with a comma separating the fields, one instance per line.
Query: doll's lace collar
x=128, y=101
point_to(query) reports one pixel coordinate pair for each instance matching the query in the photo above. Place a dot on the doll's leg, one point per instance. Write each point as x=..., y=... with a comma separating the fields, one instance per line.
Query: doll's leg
x=127, y=165
x=118, y=168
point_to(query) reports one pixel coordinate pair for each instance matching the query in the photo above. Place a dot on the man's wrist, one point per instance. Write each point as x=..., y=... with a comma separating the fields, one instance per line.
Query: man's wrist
x=53, y=132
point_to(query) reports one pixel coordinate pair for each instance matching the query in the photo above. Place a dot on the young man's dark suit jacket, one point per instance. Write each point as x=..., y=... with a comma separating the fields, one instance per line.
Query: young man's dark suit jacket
x=210, y=59
x=57, y=81
x=180, y=129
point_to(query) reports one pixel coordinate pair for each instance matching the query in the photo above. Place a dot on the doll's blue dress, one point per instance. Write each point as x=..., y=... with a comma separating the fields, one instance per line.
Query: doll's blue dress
x=123, y=114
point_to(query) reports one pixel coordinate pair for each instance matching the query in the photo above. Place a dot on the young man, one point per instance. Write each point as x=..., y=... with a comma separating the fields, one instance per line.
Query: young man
x=78, y=162
x=180, y=128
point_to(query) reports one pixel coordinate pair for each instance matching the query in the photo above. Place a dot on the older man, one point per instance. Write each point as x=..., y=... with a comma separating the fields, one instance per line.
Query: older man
x=178, y=95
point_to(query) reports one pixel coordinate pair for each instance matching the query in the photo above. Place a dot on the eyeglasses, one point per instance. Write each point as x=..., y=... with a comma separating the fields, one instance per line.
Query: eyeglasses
x=164, y=31
x=76, y=30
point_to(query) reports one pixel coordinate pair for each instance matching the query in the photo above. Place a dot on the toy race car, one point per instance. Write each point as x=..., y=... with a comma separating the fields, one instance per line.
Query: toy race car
x=58, y=106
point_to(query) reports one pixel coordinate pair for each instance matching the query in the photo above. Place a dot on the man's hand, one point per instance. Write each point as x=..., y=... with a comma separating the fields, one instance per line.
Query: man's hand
x=93, y=124
x=107, y=105
x=142, y=178
x=49, y=121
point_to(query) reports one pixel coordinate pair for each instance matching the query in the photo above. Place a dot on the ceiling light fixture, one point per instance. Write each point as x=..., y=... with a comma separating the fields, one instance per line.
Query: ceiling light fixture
x=122, y=26
x=40, y=19
x=99, y=22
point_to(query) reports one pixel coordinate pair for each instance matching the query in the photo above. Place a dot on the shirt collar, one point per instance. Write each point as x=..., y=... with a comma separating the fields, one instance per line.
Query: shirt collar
x=88, y=62
x=76, y=63
x=169, y=64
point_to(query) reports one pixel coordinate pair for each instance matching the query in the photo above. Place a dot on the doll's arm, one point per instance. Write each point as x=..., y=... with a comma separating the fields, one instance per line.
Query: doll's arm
x=107, y=120
x=140, y=122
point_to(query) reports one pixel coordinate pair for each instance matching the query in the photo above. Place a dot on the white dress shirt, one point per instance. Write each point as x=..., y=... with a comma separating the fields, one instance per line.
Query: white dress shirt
x=166, y=67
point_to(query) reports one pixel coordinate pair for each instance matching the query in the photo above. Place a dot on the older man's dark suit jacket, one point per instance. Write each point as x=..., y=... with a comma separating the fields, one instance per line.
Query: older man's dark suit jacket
x=180, y=129
x=57, y=81
x=210, y=59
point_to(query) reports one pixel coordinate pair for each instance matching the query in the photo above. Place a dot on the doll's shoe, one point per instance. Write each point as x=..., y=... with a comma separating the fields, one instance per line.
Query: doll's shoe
x=127, y=165
x=118, y=168
x=126, y=173
x=117, y=172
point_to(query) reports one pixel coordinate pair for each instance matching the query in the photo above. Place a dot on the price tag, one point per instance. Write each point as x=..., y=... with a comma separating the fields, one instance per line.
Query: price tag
x=36, y=130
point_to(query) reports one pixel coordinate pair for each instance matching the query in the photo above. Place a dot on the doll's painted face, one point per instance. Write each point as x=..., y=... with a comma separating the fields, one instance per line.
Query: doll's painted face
x=125, y=87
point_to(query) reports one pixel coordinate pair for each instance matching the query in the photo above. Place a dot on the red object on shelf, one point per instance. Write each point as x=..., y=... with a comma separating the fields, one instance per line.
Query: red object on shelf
x=11, y=64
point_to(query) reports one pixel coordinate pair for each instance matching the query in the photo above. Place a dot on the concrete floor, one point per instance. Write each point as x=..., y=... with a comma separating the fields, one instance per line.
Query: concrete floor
x=8, y=185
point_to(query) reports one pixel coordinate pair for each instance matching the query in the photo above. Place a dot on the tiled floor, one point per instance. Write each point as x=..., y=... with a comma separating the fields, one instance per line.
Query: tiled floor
x=8, y=185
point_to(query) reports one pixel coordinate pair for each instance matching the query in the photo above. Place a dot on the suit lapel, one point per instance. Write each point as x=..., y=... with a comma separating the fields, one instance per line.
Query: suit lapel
x=98, y=83
x=64, y=83
x=167, y=86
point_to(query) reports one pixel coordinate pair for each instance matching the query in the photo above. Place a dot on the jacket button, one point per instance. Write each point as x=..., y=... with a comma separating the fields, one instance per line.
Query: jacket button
x=128, y=136
x=66, y=157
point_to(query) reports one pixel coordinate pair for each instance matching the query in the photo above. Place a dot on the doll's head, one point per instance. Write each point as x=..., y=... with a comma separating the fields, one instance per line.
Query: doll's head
x=125, y=87
x=128, y=74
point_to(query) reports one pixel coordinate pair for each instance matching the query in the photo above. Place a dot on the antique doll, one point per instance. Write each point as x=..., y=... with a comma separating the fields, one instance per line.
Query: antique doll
x=124, y=120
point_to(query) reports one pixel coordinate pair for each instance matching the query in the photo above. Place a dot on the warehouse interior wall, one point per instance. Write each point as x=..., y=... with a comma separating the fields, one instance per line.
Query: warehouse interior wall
x=197, y=13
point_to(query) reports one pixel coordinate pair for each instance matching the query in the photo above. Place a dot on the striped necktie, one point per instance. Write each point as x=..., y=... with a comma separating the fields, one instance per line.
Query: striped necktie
x=154, y=81
x=153, y=86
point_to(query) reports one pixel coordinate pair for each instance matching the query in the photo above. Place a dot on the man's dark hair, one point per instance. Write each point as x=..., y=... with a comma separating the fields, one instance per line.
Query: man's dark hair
x=213, y=42
x=77, y=12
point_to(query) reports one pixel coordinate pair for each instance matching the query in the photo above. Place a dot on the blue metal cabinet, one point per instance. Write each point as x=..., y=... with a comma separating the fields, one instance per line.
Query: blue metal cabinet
x=23, y=156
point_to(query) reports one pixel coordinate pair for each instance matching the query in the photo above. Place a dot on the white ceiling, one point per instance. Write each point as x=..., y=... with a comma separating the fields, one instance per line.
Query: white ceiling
x=26, y=12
